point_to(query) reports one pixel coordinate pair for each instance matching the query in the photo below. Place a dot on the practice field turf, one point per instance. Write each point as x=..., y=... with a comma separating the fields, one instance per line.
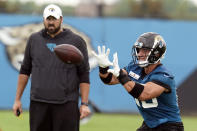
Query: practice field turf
x=98, y=122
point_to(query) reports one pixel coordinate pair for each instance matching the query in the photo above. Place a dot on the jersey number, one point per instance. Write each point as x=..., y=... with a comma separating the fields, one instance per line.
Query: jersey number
x=147, y=105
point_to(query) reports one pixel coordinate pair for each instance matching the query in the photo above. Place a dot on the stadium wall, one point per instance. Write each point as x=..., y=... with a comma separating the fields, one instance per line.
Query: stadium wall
x=118, y=35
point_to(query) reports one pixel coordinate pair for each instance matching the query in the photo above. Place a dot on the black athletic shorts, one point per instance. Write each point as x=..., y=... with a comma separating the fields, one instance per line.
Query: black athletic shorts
x=177, y=126
x=54, y=117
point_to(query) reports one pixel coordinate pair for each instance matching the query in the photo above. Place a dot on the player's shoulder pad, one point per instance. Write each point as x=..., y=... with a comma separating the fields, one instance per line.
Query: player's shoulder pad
x=162, y=70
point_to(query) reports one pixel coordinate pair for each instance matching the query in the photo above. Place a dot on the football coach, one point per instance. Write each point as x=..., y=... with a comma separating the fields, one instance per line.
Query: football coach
x=55, y=85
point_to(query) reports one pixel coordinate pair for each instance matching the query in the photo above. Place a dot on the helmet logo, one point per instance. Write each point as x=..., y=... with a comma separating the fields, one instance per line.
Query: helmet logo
x=159, y=40
x=138, y=44
x=160, y=44
x=156, y=52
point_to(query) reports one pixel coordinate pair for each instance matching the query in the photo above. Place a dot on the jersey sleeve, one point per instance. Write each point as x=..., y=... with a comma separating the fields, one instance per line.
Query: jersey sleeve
x=163, y=79
x=26, y=65
x=84, y=68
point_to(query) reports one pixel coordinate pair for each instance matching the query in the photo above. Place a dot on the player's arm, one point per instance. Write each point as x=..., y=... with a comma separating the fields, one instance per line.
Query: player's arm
x=144, y=92
x=84, y=109
x=22, y=82
x=23, y=77
x=83, y=74
x=140, y=91
x=84, y=90
x=108, y=78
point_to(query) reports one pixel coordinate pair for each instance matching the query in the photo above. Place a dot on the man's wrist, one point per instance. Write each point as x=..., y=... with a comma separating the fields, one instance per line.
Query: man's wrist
x=17, y=99
x=84, y=103
x=123, y=78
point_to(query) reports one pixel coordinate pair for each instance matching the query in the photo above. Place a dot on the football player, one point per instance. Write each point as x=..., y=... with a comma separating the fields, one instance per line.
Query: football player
x=147, y=80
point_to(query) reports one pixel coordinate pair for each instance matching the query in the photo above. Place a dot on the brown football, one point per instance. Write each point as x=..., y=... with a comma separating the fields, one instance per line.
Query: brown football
x=68, y=54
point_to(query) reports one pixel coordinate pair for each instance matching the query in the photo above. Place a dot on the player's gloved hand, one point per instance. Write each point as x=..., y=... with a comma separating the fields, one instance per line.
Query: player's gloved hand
x=102, y=57
x=116, y=69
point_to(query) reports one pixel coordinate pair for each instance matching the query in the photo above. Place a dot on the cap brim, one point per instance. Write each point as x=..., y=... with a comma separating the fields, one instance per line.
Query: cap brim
x=54, y=15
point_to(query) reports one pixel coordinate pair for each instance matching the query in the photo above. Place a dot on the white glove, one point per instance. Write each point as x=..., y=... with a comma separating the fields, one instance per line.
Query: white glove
x=102, y=57
x=116, y=70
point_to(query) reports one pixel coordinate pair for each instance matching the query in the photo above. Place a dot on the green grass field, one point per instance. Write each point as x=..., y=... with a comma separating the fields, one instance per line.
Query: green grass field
x=98, y=122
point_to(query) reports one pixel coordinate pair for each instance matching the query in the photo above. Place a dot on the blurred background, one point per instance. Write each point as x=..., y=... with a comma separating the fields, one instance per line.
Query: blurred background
x=116, y=24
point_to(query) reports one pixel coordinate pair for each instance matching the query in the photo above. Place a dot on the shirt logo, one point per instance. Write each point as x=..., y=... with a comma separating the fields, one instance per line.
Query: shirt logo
x=51, y=46
x=134, y=75
x=166, y=75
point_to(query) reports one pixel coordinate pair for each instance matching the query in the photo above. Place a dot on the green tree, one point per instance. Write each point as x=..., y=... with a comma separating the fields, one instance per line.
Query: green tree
x=180, y=9
x=2, y=6
x=147, y=9
x=28, y=8
x=12, y=6
x=120, y=9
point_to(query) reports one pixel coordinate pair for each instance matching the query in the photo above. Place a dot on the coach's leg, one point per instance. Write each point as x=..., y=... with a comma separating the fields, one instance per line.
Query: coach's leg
x=144, y=127
x=177, y=126
x=39, y=117
x=65, y=117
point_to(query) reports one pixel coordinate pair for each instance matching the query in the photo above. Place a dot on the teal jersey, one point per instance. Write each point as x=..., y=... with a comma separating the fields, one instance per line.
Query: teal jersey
x=163, y=108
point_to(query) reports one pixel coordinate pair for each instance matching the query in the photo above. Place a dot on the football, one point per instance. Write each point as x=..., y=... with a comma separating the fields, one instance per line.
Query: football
x=68, y=54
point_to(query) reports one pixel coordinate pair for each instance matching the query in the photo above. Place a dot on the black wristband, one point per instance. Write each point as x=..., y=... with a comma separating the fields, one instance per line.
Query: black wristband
x=107, y=79
x=103, y=70
x=137, y=90
x=123, y=78
x=84, y=103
